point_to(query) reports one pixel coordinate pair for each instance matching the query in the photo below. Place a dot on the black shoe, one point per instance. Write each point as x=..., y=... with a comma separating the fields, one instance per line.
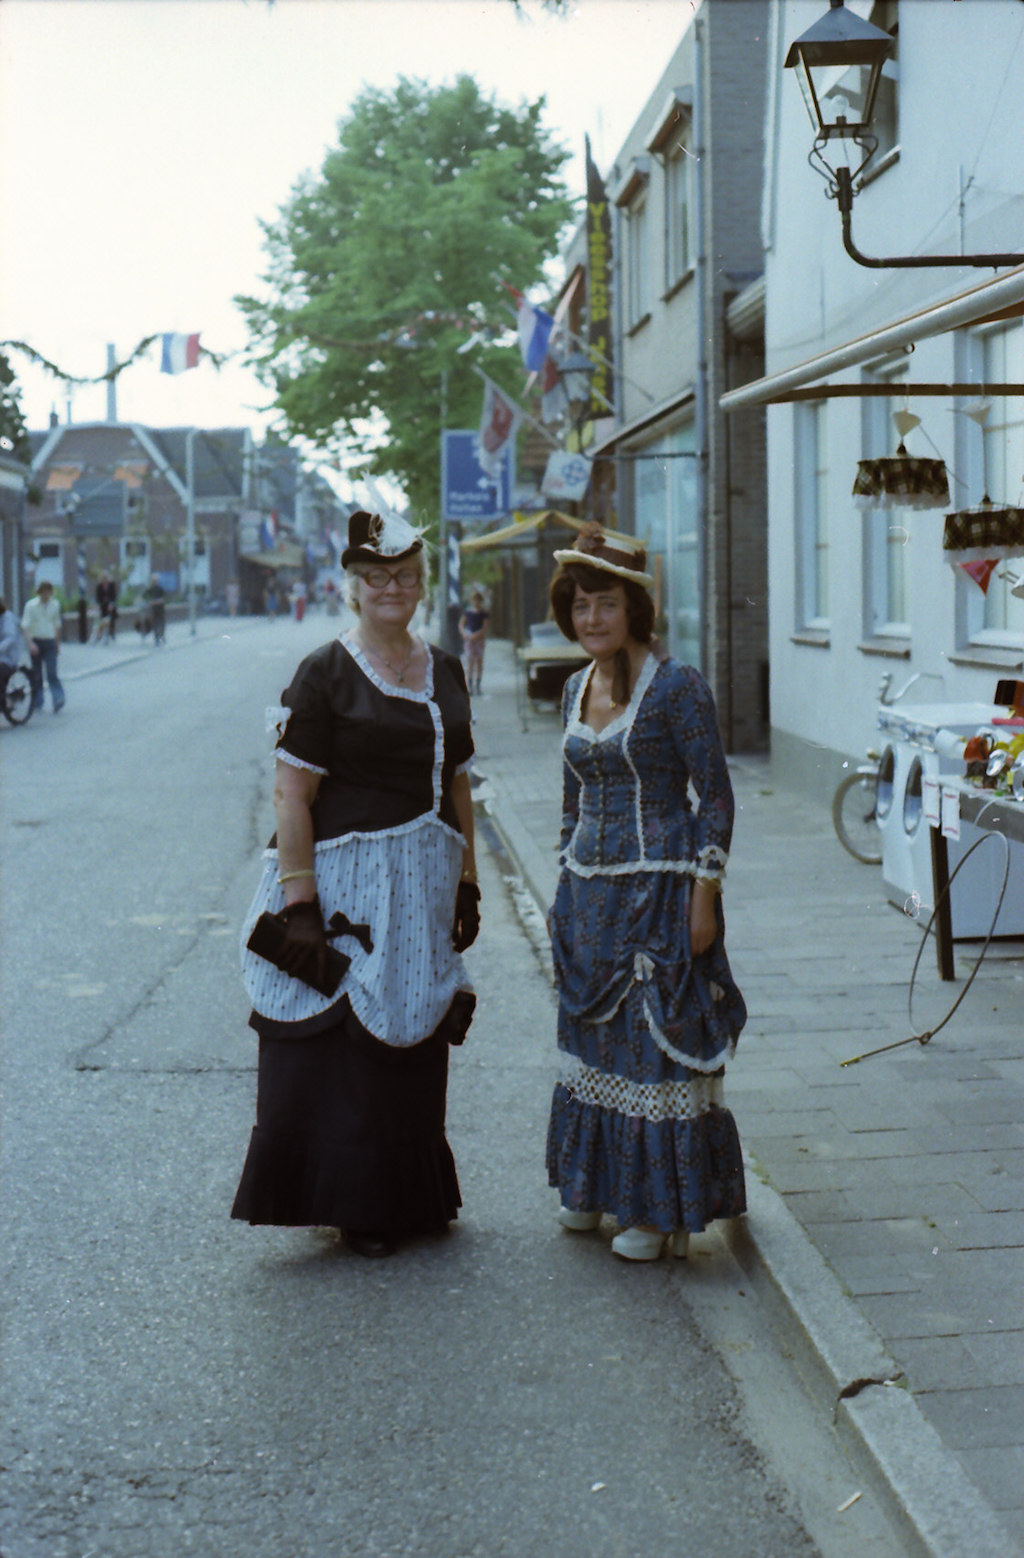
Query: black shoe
x=374, y=1246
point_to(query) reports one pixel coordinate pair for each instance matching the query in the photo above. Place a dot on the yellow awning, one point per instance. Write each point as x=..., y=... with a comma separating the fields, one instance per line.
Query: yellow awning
x=523, y=526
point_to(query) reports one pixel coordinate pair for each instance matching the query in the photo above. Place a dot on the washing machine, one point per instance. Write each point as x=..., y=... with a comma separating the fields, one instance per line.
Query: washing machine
x=913, y=751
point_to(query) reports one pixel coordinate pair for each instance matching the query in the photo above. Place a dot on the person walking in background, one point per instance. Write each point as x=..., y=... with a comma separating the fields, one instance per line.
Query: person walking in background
x=156, y=595
x=298, y=599
x=473, y=627
x=41, y=624
x=374, y=849
x=270, y=597
x=648, y=1010
x=106, y=601
x=234, y=594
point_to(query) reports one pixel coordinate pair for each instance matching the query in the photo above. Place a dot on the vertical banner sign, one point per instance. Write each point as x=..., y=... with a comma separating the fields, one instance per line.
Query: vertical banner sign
x=599, y=283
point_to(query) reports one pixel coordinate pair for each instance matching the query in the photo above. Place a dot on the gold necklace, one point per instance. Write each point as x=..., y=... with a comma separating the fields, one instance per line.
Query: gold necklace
x=395, y=670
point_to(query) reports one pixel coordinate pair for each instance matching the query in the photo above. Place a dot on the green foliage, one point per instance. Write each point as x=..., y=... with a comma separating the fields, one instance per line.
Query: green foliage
x=13, y=435
x=384, y=264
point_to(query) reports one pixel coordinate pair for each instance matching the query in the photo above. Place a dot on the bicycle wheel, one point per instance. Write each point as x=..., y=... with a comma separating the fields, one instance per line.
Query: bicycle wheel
x=854, y=817
x=17, y=697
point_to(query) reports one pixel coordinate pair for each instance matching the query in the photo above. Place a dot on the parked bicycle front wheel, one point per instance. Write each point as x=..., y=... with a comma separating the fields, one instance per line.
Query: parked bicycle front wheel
x=854, y=813
x=17, y=697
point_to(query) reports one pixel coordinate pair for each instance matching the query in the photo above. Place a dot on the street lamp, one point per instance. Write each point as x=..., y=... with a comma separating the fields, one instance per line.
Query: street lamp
x=839, y=64
x=576, y=372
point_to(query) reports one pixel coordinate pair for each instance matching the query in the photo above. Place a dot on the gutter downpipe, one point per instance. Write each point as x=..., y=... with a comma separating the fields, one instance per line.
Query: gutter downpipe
x=701, y=407
x=966, y=308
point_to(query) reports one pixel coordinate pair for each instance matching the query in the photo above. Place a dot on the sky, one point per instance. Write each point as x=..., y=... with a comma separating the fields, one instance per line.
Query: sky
x=141, y=142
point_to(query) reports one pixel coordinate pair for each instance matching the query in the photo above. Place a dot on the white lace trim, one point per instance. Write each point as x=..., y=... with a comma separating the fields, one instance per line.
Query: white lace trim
x=276, y=717
x=652, y=1101
x=422, y=696
x=426, y=820
x=643, y=969
x=283, y=755
x=464, y=768
x=629, y=713
x=633, y=867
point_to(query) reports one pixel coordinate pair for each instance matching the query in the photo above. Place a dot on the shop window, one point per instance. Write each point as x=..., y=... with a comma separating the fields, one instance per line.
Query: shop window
x=990, y=459
x=886, y=531
x=811, y=513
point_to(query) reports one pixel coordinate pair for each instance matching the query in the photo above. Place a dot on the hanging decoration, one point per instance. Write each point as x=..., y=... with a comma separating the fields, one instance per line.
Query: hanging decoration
x=981, y=571
x=902, y=480
x=984, y=532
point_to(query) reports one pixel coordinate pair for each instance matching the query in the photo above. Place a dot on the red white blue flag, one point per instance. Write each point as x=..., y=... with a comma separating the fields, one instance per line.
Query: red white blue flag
x=534, y=327
x=178, y=352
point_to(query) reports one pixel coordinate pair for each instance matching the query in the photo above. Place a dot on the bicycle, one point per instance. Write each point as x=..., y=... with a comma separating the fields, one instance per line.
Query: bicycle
x=855, y=803
x=855, y=812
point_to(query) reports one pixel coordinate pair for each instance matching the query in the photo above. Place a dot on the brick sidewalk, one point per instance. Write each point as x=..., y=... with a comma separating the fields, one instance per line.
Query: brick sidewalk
x=905, y=1172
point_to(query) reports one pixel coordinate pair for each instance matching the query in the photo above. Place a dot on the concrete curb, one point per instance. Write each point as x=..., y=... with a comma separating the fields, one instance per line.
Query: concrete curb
x=929, y=1495
x=926, y=1488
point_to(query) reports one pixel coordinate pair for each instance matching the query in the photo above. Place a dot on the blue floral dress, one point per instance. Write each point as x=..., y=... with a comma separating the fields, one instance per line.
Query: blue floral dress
x=639, y=1127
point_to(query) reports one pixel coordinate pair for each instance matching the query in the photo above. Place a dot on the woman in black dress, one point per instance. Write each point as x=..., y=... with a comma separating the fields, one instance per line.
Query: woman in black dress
x=373, y=855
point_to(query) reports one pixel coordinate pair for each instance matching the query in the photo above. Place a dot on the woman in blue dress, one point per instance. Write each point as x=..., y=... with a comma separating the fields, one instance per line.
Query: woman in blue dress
x=649, y=1012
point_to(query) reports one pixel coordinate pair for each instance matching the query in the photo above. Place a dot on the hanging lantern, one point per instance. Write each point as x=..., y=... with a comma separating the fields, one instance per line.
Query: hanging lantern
x=901, y=480
x=976, y=534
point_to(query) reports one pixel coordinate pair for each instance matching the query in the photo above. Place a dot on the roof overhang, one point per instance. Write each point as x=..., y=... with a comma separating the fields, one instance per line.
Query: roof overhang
x=675, y=112
x=986, y=303
x=524, y=530
x=641, y=428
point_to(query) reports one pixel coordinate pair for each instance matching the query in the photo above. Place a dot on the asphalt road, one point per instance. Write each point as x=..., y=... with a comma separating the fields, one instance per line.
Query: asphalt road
x=176, y=1383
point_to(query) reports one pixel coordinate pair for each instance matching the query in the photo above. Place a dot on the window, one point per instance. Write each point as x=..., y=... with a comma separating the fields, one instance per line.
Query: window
x=990, y=460
x=135, y=561
x=812, y=547
x=887, y=531
x=678, y=216
x=49, y=564
x=666, y=521
x=637, y=259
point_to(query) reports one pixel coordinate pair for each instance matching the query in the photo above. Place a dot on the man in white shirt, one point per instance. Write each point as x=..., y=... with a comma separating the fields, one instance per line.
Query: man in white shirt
x=41, y=623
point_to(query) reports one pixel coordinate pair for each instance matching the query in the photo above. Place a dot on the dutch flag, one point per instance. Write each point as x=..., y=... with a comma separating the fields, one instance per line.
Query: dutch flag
x=178, y=352
x=534, y=328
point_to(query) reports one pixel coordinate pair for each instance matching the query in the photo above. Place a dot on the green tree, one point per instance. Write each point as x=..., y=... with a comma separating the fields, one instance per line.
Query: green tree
x=384, y=264
x=13, y=436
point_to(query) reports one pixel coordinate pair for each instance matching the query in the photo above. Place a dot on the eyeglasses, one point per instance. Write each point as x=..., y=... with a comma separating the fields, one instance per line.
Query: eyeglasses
x=380, y=578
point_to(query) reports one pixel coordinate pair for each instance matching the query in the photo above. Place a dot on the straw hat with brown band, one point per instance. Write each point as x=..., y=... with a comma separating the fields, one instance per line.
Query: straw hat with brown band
x=610, y=552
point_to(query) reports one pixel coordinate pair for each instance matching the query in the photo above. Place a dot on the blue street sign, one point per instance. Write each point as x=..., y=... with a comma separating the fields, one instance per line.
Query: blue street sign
x=467, y=492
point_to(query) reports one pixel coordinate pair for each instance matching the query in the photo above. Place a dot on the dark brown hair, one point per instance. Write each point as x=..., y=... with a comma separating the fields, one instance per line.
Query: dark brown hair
x=639, y=605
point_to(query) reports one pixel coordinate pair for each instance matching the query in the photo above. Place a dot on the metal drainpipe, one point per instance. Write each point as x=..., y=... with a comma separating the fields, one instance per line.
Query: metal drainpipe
x=701, y=406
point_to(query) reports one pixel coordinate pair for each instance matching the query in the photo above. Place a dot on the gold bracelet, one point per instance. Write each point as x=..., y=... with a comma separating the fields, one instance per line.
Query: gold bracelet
x=711, y=882
x=469, y=876
x=293, y=876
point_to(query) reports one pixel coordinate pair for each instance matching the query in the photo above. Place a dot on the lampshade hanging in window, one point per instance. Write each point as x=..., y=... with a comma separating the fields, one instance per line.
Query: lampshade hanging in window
x=983, y=532
x=901, y=480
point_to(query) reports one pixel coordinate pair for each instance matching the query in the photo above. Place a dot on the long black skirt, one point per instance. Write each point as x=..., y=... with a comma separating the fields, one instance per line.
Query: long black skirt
x=350, y=1133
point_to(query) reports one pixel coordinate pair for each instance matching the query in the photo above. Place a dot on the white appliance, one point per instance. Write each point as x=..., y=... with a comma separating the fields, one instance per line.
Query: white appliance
x=909, y=755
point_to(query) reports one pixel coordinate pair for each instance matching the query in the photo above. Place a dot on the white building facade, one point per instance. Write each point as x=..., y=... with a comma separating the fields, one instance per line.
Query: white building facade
x=856, y=593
